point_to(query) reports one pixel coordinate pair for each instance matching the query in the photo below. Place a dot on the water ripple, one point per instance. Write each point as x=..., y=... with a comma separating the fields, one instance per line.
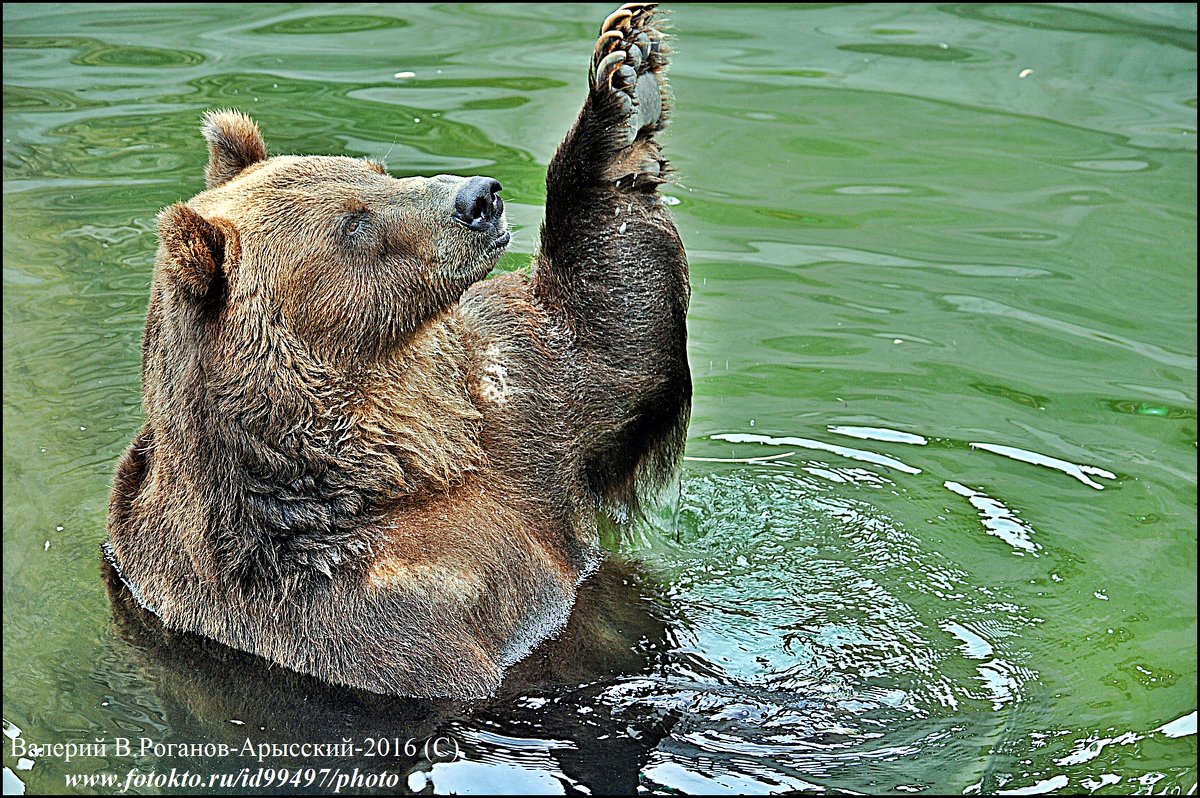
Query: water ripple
x=989, y=307
x=806, y=443
x=1080, y=472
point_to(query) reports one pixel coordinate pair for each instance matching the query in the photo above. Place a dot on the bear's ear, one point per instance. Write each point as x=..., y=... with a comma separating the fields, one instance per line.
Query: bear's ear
x=233, y=144
x=195, y=252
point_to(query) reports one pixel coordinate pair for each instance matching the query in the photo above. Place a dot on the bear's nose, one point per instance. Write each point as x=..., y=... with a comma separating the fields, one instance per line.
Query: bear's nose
x=477, y=205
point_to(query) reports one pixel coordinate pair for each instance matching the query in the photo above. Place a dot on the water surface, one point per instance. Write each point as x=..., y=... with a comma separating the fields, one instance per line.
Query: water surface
x=937, y=528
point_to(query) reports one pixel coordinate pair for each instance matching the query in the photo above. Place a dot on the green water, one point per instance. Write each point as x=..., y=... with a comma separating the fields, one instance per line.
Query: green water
x=944, y=278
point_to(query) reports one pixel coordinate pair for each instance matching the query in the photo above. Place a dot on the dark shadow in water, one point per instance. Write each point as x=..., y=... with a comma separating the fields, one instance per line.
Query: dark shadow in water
x=209, y=693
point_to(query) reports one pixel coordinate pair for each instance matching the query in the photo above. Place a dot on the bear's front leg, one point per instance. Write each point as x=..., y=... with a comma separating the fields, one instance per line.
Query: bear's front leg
x=613, y=141
x=612, y=269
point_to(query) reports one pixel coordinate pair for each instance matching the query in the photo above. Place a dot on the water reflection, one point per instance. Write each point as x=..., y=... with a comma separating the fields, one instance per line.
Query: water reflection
x=879, y=434
x=190, y=688
x=997, y=518
x=805, y=443
x=1083, y=473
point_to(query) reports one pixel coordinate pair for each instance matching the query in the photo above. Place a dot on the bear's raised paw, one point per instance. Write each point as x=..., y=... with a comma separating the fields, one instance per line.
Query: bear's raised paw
x=628, y=61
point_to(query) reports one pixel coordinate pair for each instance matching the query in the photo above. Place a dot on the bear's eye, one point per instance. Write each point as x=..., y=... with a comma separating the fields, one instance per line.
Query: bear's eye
x=353, y=225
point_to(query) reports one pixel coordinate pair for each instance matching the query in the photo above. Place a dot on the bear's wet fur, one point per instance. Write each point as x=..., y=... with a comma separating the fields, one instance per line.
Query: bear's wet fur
x=361, y=460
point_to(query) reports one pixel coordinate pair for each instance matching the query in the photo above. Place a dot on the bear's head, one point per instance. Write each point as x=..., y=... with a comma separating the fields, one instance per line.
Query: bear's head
x=302, y=360
x=349, y=259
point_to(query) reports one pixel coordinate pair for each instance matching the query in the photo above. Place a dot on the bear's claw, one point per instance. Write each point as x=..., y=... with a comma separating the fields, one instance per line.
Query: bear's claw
x=628, y=61
x=616, y=18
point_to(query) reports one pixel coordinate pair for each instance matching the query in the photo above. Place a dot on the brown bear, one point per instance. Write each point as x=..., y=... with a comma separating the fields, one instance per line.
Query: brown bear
x=362, y=461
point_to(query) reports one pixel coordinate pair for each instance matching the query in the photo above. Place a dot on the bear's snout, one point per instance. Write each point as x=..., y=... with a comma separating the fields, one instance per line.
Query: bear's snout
x=477, y=204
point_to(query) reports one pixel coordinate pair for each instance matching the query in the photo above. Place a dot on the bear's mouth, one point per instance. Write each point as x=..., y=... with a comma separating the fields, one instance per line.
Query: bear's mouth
x=485, y=259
